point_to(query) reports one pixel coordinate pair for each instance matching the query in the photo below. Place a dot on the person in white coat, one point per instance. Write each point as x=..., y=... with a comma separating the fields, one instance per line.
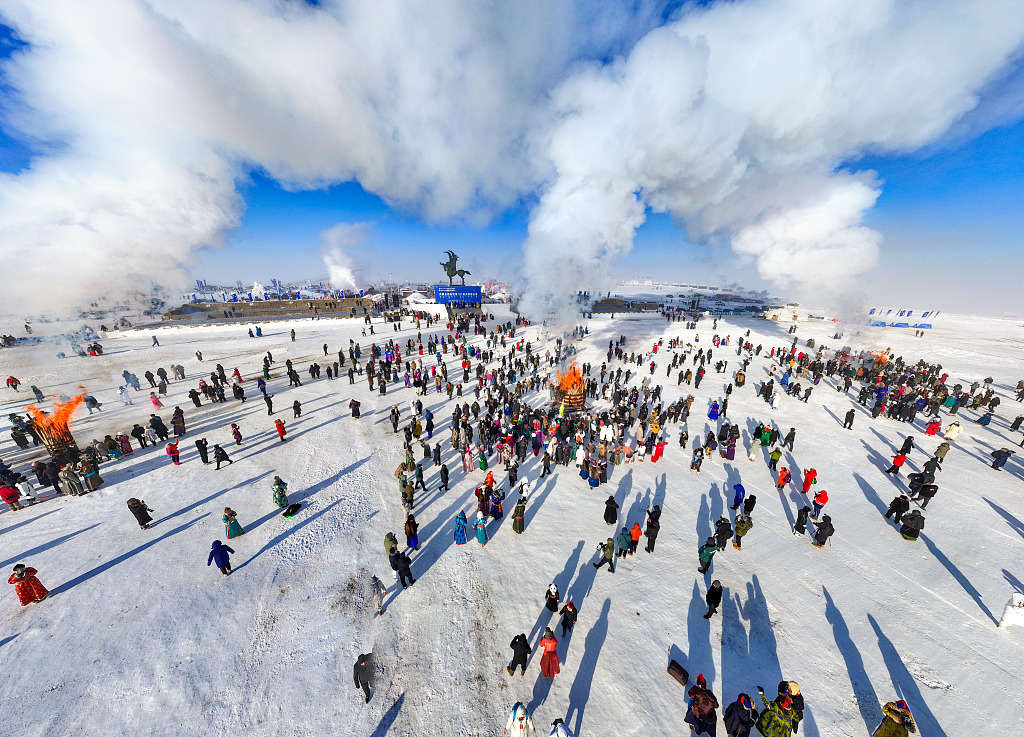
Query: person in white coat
x=953, y=431
x=126, y=398
x=519, y=721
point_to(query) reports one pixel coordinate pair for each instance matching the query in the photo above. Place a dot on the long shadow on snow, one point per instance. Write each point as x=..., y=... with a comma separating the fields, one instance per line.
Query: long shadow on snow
x=389, y=717
x=881, y=463
x=905, y=685
x=82, y=578
x=958, y=575
x=276, y=511
x=699, y=637
x=863, y=691
x=47, y=545
x=15, y=526
x=1012, y=521
x=8, y=639
x=870, y=494
x=833, y=415
x=1013, y=581
x=579, y=692
x=211, y=497
x=561, y=581
x=287, y=533
x=535, y=502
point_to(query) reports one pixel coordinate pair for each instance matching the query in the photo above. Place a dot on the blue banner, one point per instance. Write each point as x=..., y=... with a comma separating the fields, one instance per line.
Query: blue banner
x=446, y=294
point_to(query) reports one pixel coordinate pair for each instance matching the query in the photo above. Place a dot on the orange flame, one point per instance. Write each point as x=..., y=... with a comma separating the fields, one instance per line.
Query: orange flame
x=573, y=378
x=880, y=358
x=57, y=423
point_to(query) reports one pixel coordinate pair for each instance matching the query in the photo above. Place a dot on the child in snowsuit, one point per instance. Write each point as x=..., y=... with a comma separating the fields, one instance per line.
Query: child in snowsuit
x=219, y=554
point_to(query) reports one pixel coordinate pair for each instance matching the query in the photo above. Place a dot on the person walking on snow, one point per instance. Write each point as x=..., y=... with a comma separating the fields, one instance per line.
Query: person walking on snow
x=460, y=528
x=549, y=661
x=552, y=597
x=279, y=426
x=607, y=555
x=705, y=553
x=897, y=463
x=569, y=614
x=219, y=554
x=898, y=507
x=714, y=598
x=362, y=671
x=520, y=652
x=743, y=525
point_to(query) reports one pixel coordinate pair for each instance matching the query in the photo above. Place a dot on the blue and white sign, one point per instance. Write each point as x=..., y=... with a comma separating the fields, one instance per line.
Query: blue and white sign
x=446, y=295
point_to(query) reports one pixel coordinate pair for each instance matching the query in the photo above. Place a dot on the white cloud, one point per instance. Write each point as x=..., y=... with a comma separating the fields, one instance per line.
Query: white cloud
x=733, y=118
x=338, y=243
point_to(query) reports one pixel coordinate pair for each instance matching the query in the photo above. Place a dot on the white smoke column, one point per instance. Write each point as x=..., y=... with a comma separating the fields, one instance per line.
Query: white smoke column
x=735, y=118
x=144, y=113
x=339, y=240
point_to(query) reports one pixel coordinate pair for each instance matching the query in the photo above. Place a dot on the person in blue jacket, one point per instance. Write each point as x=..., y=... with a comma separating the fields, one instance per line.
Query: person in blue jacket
x=219, y=555
x=740, y=493
x=460, y=529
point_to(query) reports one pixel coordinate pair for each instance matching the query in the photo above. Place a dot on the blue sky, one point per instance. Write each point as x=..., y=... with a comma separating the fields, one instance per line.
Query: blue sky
x=960, y=202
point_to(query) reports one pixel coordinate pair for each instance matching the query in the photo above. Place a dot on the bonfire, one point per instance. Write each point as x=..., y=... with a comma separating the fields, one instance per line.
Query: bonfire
x=54, y=429
x=571, y=389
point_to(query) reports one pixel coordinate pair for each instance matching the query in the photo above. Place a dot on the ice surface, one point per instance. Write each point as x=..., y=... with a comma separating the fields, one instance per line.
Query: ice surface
x=140, y=637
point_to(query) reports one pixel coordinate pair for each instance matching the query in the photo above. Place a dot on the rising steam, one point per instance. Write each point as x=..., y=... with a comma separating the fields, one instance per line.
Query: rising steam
x=737, y=118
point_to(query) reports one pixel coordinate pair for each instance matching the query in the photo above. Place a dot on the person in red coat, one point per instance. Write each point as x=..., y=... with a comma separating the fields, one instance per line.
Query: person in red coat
x=549, y=662
x=279, y=424
x=28, y=588
x=659, y=448
x=809, y=476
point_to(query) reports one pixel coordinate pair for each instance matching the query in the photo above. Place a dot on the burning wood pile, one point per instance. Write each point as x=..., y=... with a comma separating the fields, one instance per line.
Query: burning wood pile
x=55, y=431
x=571, y=389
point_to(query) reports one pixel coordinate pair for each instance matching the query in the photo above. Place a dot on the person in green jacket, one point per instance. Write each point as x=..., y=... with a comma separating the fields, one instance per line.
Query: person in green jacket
x=608, y=555
x=705, y=553
x=231, y=526
x=743, y=525
x=624, y=539
x=898, y=722
x=518, y=515
x=777, y=718
x=280, y=492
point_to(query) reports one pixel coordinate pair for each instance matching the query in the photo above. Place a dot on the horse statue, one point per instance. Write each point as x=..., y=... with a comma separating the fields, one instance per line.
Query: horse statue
x=452, y=271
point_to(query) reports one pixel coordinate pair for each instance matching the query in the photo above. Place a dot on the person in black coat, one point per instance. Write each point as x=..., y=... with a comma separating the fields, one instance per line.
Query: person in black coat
x=159, y=427
x=611, y=511
x=569, y=614
x=740, y=716
x=220, y=456
x=823, y=531
x=444, y=476
x=713, y=597
x=925, y=494
x=908, y=445
x=405, y=570
x=913, y=523
x=723, y=532
x=749, y=503
x=653, y=527
x=201, y=446
x=362, y=674
x=898, y=507
x=552, y=597
x=520, y=652
x=139, y=433
x=801, y=520
x=138, y=508
x=848, y=423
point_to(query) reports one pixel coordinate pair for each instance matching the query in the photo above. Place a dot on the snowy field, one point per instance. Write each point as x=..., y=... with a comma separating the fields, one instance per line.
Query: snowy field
x=140, y=637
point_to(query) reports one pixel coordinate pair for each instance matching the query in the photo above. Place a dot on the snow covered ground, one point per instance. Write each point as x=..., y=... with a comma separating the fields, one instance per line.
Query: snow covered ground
x=139, y=636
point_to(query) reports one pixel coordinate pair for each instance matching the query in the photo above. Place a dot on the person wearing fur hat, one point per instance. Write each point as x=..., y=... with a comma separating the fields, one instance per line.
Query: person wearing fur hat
x=26, y=585
x=792, y=690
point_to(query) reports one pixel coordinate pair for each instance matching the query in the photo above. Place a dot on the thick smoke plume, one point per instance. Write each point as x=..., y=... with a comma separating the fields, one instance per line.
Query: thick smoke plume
x=736, y=118
x=339, y=242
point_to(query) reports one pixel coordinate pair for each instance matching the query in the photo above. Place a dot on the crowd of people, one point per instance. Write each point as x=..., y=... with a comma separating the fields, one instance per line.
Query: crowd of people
x=509, y=415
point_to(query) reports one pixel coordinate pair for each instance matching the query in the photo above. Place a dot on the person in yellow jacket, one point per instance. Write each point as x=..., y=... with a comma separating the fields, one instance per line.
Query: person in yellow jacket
x=898, y=721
